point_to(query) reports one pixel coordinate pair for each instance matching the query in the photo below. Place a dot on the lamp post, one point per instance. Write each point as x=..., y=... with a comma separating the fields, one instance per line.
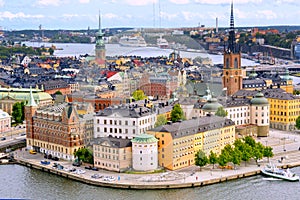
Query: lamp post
x=284, y=144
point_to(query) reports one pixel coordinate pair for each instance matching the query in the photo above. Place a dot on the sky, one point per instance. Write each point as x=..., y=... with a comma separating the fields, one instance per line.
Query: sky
x=81, y=14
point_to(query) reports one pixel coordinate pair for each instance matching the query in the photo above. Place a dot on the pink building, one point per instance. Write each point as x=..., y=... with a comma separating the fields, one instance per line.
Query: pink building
x=5, y=121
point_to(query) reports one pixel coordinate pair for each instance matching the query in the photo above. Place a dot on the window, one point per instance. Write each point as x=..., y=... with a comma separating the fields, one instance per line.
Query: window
x=110, y=121
x=126, y=123
x=236, y=63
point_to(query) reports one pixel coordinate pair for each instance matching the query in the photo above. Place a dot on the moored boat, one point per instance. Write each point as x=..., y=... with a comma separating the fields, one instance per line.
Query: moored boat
x=285, y=174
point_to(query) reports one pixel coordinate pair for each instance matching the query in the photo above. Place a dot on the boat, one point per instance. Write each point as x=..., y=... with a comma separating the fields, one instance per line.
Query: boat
x=132, y=41
x=162, y=42
x=275, y=172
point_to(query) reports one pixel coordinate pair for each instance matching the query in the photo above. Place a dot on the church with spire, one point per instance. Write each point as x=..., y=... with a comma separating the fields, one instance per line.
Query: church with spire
x=100, y=51
x=232, y=73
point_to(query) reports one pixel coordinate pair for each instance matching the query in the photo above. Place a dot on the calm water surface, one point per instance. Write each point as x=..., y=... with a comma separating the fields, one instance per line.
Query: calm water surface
x=21, y=182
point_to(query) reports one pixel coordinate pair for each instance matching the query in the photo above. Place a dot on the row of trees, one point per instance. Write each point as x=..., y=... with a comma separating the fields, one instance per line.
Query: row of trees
x=243, y=150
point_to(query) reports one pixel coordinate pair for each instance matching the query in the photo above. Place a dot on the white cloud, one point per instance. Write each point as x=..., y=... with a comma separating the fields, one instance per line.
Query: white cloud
x=110, y=16
x=227, y=1
x=266, y=14
x=49, y=2
x=188, y=16
x=2, y=3
x=21, y=15
x=84, y=1
x=168, y=16
x=180, y=1
x=140, y=2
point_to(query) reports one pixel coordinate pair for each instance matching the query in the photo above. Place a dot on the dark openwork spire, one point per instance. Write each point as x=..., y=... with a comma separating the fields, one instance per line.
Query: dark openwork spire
x=231, y=40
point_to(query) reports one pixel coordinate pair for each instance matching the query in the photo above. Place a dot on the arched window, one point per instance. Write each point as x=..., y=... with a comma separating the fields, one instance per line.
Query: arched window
x=227, y=62
x=235, y=63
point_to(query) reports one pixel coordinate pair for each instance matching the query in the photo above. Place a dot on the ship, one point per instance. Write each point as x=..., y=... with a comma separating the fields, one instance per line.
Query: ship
x=132, y=41
x=272, y=171
x=162, y=42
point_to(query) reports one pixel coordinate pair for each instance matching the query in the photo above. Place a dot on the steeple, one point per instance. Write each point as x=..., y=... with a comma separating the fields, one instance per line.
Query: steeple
x=231, y=40
x=31, y=101
x=99, y=36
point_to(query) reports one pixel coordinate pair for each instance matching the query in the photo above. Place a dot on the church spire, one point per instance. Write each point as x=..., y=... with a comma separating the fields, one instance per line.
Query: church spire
x=231, y=40
x=99, y=36
x=31, y=101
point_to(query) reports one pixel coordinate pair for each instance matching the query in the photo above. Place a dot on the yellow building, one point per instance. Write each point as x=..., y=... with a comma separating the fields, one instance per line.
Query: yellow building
x=284, y=107
x=179, y=142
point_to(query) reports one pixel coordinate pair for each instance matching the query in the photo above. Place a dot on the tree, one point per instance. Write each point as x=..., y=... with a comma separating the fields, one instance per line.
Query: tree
x=58, y=92
x=138, y=95
x=258, y=151
x=17, y=112
x=246, y=153
x=213, y=158
x=236, y=157
x=177, y=113
x=221, y=112
x=268, y=152
x=200, y=159
x=161, y=120
x=222, y=160
x=298, y=122
x=249, y=140
x=85, y=155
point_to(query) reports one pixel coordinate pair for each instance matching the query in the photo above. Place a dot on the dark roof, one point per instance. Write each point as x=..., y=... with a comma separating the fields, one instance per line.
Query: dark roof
x=193, y=126
x=126, y=111
x=114, y=142
x=276, y=93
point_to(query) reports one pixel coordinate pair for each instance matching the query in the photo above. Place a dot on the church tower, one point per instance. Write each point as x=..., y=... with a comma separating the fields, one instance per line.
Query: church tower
x=232, y=73
x=100, y=46
x=29, y=111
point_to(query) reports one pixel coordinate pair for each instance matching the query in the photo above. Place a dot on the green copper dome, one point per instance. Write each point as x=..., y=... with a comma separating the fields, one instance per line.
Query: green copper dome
x=259, y=99
x=144, y=138
x=212, y=105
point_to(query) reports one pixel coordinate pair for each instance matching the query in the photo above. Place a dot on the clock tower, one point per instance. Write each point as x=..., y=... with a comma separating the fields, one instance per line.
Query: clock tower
x=232, y=73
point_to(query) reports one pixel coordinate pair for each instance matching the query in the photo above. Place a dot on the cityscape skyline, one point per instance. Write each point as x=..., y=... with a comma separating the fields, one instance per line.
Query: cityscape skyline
x=81, y=14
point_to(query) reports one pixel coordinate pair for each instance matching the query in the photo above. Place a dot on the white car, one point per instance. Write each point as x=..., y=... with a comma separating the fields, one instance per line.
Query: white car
x=109, y=178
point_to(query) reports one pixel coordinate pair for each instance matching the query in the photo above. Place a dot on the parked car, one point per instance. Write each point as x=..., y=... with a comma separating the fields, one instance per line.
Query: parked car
x=76, y=164
x=96, y=176
x=109, y=178
x=95, y=169
x=31, y=151
x=4, y=138
x=55, y=158
x=88, y=167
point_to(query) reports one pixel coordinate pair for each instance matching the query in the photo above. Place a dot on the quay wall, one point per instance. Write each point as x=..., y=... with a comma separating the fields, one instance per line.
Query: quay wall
x=144, y=185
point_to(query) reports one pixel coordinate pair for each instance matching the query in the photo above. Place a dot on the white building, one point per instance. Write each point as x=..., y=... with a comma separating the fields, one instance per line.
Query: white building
x=5, y=122
x=144, y=153
x=123, y=121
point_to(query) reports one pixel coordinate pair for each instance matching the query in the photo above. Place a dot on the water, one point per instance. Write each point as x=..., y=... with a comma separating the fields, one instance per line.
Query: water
x=21, y=182
x=76, y=49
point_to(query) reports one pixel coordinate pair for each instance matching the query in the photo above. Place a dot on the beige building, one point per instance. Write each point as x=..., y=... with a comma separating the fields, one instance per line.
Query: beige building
x=112, y=154
x=5, y=121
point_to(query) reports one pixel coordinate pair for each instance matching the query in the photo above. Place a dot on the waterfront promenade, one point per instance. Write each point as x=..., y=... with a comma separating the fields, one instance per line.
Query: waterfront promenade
x=184, y=178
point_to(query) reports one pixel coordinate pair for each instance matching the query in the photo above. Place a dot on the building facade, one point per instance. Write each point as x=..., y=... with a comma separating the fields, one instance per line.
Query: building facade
x=5, y=122
x=123, y=121
x=144, y=153
x=114, y=154
x=57, y=130
x=179, y=142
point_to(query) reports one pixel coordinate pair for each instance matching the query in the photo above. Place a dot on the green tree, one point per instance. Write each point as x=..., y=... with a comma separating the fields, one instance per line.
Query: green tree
x=221, y=112
x=246, y=153
x=58, y=92
x=84, y=155
x=213, y=158
x=258, y=151
x=249, y=140
x=176, y=113
x=138, y=95
x=161, y=120
x=268, y=152
x=236, y=157
x=51, y=51
x=200, y=159
x=222, y=160
x=23, y=110
x=17, y=112
x=298, y=122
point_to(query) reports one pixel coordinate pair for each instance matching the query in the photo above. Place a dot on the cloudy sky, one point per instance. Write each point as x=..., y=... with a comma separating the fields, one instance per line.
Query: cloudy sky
x=81, y=14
